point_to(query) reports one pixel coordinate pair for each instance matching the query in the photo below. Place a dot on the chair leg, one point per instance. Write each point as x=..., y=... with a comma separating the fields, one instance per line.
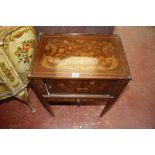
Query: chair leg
x=23, y=96
x=106, y=108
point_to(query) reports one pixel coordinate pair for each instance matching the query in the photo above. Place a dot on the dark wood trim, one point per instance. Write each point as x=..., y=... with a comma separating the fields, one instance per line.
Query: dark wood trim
x=78, y=96
x=39, y=94
x=119, y=87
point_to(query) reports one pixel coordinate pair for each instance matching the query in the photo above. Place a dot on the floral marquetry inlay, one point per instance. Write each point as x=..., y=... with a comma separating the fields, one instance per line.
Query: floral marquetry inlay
x=79, y=54
x=79, y=86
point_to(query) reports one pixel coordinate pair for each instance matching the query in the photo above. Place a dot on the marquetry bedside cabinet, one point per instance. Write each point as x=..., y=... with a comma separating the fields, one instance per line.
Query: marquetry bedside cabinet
x=79, y=69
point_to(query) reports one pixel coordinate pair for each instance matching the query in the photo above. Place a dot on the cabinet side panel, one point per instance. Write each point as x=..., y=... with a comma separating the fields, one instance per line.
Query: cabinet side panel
x=118, y=88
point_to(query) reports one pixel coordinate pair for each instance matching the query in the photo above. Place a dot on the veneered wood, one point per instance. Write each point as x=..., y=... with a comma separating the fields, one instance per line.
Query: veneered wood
x=39, y=92
x=92, y=56
x=89, y=86
x=79, y=68
x=72, y=29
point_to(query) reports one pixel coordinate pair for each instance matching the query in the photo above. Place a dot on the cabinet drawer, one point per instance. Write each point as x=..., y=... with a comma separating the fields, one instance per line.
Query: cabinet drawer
x=80, y=86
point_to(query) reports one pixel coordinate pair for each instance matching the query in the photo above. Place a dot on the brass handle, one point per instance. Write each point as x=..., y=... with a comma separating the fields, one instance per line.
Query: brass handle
x=46, y=88
x=78, y=102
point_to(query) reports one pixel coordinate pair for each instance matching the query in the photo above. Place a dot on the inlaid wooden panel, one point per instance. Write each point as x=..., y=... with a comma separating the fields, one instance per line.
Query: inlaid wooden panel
x=91, y=56
x=80, y=86
x=40, y=85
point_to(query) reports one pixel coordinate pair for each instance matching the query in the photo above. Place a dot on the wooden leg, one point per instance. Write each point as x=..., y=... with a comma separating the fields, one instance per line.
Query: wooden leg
x=45, y=104
x=40, y=96
x=106, y=108
x=47, y=107
x=115, y=93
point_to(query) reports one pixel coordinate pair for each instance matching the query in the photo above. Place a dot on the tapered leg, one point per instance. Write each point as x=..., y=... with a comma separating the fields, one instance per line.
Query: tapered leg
x=106, y=108
x=23, y=96
x=40, y=96
x=47, y=106
x=29, y=103
x=120, y=85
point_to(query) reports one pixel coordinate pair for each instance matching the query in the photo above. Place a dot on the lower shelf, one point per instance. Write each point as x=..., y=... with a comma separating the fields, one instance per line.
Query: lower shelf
x=77, y=98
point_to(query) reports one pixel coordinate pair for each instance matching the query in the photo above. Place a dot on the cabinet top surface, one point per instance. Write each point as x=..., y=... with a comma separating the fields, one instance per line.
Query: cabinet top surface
x=79, y=56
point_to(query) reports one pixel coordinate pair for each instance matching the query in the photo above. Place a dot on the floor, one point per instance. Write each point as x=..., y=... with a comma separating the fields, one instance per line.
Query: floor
x=135, y=108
